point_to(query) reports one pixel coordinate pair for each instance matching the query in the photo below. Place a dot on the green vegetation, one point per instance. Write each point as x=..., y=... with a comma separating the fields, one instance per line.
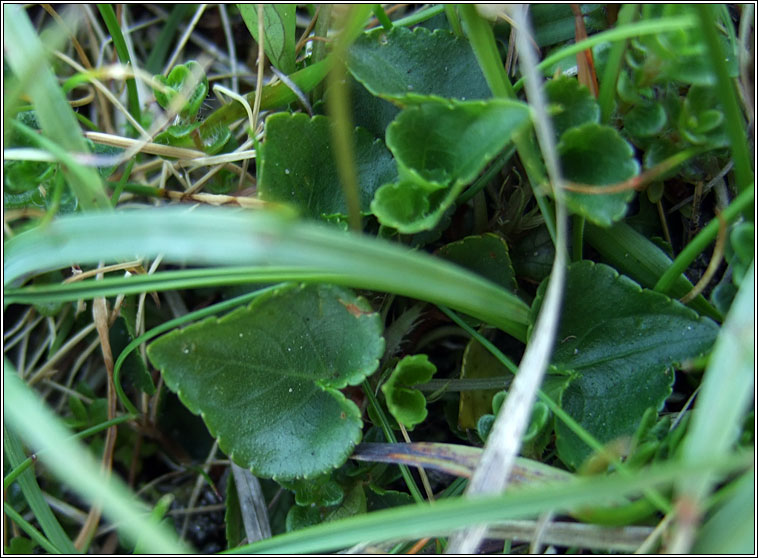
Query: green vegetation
x=278, y=277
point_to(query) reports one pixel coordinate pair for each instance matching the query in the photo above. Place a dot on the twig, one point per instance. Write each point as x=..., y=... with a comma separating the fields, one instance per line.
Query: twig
x=183, y=41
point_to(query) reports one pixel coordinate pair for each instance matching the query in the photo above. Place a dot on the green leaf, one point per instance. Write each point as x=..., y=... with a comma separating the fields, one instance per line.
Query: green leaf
x=278, y=31
x=178, y=83
x=266, y=378
x=406, y=404
x=441, y=146
x=701, y=121
x=441, y=141
x=621, y=342
x=478, y=362
x=235, y=527
x=533, y=254
x=369, y=111
x=486, y=255
x=597, y=155
x=26, y=57
x=297, y=165
x=274, y=247
x=571, y=104
x=645, y=120
x=321, y=491
x=20, y=545
x=679, y=54
x=740, y=250
x=380, y=499
x=408, y=66
x=134, y=367
x=555, y=23
x=354, y=503
x=72, y=462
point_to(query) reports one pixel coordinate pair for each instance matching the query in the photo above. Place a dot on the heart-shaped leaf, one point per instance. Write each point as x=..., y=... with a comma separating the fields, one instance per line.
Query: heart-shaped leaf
x=406, y=404
x=404, y=65
x=266, y=378
x=297, y=165
x=597, y=155
x=620, y=341
x=440, y=146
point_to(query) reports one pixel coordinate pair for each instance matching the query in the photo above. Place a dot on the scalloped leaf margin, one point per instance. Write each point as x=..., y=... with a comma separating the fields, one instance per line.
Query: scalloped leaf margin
x=619, y=342
x=266, y=378
x=441, y=146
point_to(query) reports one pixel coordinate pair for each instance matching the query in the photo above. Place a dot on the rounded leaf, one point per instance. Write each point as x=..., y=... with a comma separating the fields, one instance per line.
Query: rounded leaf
x=571, y=104
x=597, y=155
x=266, y=378
x=645, y=120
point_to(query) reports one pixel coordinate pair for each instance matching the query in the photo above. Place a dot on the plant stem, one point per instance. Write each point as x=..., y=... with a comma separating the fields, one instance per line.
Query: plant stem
x=420, y=16
x=26, y=463
x=453, y=20
x=381, y=15
x=649, y=27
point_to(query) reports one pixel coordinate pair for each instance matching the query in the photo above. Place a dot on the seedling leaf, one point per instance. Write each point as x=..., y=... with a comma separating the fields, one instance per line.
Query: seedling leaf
x=406, y=404
x=177, y=83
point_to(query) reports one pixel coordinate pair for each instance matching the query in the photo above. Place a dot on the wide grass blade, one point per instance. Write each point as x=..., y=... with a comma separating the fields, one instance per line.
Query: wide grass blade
x=219, y=237
x=726, y=390
x=27, y=58
x=33, y=494
x=75, y=466
x=446, y=516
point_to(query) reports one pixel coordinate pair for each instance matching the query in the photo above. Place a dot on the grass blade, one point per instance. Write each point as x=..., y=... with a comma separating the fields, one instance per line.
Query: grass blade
x=73, y=464
x=218, y=237
x=26, y=56
x=445, y=516
x=33, y=494
x=109, y=16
